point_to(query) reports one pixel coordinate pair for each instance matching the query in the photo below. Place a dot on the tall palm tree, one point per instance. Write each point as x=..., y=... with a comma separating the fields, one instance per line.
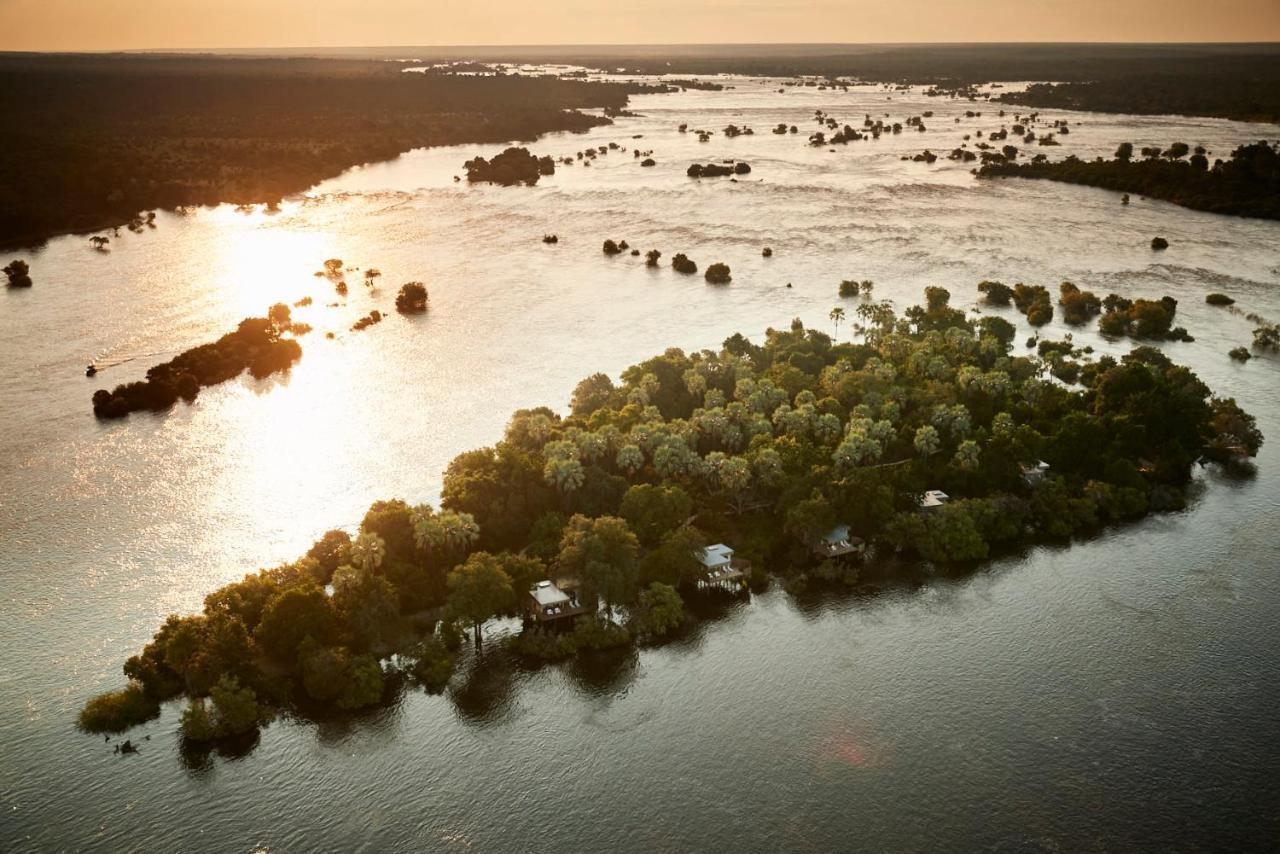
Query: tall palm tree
x=837, y=317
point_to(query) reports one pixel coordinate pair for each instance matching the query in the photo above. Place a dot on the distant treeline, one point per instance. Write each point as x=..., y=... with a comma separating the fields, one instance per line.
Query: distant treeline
x=1238, y=81
x=1250, y=96
x=1246, y=185
x=96, y=139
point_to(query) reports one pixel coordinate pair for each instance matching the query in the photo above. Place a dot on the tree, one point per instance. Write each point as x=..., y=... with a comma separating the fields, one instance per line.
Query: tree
x=412, y=298
x=280, y=316
x=232, y=709
x=659, y=609
x=927, y=441
x=18, y=274
x=292, y=617
x=652, y=511
x=718, y=274
x=330, y=552
x=368, y=550
x=995, y=293
x=595, y=392
x=478, y=590
x=449, y=530
x=367, y=605
x=967, y=454
x=836, y=316
x=603, y=554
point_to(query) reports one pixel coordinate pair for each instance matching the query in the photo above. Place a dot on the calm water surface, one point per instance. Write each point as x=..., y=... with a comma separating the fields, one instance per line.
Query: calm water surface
x=1115, y=695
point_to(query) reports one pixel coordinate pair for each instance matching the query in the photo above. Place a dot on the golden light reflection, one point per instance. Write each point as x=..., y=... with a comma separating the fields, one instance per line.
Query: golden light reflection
x=262, y=259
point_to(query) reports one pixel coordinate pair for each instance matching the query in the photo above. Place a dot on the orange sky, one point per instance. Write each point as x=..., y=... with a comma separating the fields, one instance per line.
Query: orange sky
x=129, y=24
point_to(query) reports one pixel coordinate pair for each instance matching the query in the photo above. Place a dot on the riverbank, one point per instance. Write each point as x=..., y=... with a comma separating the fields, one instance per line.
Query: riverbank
x=103, y=138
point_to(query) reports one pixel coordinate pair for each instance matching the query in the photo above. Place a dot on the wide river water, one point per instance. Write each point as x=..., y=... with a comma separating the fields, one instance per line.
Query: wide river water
x=1117, y=694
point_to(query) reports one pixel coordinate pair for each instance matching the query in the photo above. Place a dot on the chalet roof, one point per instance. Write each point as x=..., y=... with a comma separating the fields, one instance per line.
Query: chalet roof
x=934, y=498
x=716, y=555
x=545, y=593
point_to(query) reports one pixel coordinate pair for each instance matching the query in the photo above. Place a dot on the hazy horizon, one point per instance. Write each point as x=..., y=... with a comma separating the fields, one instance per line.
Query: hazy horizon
x=191, y=25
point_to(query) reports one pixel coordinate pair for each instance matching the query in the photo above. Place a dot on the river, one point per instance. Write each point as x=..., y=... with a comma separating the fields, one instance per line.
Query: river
x=1117, y=694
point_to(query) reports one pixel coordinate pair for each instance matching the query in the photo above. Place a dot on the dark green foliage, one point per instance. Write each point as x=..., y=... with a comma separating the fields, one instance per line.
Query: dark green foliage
x=433, y=665
x=256, y=345
x=681, y=264
x=18, y=274
x=653, y=511
x=765, y=447
x=1240, y=354
x=329, y=552
x=718, y=274
x=1248, y=184
x=334, y=675
x=294, y=616
x=658, y=610
x=1142, y=318
x=1078, y=307
x=1219, y=299
x=231, y=710
x=995, y=293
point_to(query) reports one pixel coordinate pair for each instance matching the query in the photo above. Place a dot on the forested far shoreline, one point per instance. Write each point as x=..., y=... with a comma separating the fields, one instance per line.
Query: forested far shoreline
x=103, y=138
x=1245, y=184
x=927, y=437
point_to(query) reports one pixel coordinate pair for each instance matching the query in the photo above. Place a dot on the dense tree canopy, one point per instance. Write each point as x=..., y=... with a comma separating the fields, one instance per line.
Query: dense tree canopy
x=765, y=446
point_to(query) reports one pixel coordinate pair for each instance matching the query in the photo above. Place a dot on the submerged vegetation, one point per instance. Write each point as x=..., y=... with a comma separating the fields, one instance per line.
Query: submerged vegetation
x=512, y=166
x=1247, y=184
x=257, y=345
x=18, y=274
x=767, y=447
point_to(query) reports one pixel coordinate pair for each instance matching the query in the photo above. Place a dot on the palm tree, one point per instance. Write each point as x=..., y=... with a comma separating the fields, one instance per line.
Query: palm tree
x=837, y=317
x=368, y=551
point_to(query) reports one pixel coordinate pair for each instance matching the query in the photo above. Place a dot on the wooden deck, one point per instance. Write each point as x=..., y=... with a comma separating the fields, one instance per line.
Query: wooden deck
x=561, y=612
x=737, y=570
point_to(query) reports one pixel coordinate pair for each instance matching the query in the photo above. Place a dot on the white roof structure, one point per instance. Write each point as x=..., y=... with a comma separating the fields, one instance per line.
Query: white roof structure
x=934, y=498
x=715, y=556
x=545, y=594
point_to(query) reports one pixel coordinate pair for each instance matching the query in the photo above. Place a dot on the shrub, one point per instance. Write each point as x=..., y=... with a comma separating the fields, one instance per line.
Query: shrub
x=513, y=166
x=849, y=288
x=18, y=273
x=412, y=298
x=1240, y=354
x=995, y=293
x=718, y=274
x=1159, y=243
x=433, y=665
x=682, y=264
x=117, y=711
x=611, y=248
x=1219, y=299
